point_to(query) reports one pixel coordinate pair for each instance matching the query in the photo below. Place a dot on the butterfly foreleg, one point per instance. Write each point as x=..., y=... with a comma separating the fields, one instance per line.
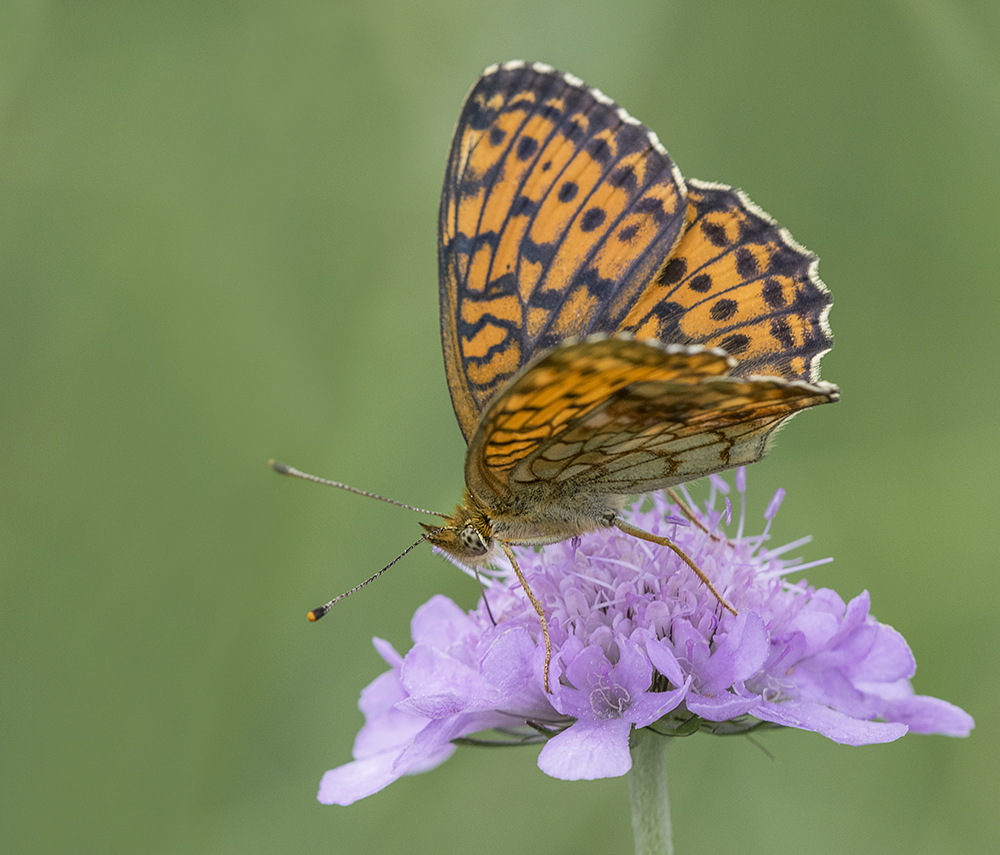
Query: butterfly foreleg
x=538, y=609
x=621, y=525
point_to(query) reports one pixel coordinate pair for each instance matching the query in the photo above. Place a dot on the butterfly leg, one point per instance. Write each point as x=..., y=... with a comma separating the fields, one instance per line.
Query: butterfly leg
x=666, y=541
x=538, y=609
x=482, y=591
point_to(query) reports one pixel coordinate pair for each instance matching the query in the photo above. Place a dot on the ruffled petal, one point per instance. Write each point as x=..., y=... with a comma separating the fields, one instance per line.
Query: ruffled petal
x=831, y=723
x=587, y=751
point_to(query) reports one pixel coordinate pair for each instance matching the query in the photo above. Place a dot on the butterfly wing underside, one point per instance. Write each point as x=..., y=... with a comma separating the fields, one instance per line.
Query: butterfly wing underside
x=618, y=416
x=563, y=216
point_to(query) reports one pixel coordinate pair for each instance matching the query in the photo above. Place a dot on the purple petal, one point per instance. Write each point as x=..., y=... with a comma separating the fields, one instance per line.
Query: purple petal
x=381, y=695
x=352, y=781
x=432, y=746
x=388, y=732
x=739, y=654
x=664, y=661
x=633, y=672
x=591, y=693
x=440, y=686
x=831, y=723
x=587, y=751
x=721, y=707
x=440, y=623
x=923, y=714
x=387, y=652
x=652, y=706
x=889, y=658
x=386, y=727
x=512, y=665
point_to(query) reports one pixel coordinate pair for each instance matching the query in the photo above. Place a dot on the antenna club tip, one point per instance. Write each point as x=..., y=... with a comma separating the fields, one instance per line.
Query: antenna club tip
x=278, y=466
x=316, y=614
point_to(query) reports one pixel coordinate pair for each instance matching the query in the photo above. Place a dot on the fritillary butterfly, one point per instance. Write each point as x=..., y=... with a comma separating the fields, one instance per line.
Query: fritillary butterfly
x=608, y=328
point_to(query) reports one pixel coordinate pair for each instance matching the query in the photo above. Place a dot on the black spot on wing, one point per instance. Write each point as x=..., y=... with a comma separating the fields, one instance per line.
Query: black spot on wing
x=723, y=310
x=746, y=263
x=702, y=283
x=523, y=206
x=673, y=271
x=599, y=150
x=773, y=294
x=526, y=147
x=669, y=314
x=568, y=191
x=735, y=344
x=592, y=219
x=624, y=177
x=597, y=286
x=653, y=207
x=537, y=253
x=627, y=234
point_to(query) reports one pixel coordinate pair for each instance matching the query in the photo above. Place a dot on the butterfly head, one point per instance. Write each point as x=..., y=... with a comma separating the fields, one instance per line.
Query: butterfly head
x=466, y=535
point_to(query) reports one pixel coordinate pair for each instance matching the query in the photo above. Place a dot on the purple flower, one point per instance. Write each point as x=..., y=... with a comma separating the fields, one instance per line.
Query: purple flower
x=637, y=640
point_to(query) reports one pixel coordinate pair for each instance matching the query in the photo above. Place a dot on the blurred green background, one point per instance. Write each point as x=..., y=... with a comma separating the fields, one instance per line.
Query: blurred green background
x=217, y=245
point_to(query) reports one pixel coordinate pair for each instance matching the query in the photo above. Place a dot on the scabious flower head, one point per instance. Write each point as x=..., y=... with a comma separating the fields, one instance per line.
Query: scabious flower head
x=637, y=640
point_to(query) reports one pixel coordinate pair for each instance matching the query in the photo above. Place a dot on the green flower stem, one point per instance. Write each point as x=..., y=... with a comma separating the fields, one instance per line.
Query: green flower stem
x=647, y=789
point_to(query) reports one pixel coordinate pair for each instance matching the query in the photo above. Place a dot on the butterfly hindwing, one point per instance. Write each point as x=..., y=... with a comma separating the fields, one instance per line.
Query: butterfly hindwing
x=616, y=415
x=656, y=434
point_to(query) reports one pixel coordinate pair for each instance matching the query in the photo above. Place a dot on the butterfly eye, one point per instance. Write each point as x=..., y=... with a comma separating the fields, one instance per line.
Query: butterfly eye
x=472, y=541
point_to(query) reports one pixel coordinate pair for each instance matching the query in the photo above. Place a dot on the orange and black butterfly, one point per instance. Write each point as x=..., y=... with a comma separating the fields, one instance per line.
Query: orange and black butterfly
x=609, y=328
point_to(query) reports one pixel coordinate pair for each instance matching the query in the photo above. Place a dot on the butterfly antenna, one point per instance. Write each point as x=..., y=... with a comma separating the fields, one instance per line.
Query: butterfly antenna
x=316, y=614
x=285, y=469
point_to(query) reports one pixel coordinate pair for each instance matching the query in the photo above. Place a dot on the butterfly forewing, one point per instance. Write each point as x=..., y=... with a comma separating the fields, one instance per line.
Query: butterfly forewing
x=557, y=211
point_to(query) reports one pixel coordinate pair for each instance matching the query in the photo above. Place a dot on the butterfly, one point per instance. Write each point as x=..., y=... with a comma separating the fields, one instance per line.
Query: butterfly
x=609, y=329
